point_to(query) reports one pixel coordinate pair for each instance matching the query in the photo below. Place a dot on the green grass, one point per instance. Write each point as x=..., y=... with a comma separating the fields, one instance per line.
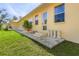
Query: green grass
x=14, y=44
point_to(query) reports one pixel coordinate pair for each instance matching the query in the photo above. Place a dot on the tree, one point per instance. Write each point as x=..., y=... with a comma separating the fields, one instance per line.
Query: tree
x=4, y=16
x=4, y=19
x=15, y=18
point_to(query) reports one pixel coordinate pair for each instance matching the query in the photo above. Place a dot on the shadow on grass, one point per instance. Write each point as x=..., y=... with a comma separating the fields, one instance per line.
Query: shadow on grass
x=66, y=48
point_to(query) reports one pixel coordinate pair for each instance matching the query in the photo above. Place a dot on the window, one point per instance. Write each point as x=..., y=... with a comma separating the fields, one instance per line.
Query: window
x=59, y=13
x=44, y=27
x=44, y=18
x=36, y=19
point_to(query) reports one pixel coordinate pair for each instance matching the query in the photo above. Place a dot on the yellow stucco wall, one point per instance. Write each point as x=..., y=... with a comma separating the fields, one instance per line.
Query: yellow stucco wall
x=47, y=8
x=17, y=24
x=69, y=28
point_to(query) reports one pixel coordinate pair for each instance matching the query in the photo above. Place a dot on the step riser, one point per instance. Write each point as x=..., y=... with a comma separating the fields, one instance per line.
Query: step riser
x=48, y=42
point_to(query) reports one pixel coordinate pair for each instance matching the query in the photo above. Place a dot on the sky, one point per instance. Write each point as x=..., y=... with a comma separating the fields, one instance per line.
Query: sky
x=18, y=9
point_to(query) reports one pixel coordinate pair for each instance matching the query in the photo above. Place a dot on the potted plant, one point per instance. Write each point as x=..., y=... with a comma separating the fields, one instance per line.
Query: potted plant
x=27, y=25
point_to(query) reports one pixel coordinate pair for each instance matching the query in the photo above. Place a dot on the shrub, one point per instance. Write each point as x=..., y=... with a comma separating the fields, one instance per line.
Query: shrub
x=27, y=24
x=4, y=27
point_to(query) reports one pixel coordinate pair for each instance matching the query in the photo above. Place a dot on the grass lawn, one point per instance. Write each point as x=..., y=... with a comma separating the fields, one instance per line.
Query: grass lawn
x=14, y=44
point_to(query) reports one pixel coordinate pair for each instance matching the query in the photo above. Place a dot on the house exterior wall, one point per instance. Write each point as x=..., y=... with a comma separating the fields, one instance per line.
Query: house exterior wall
x=69, y=28
x=15, y=24
x=49, y=9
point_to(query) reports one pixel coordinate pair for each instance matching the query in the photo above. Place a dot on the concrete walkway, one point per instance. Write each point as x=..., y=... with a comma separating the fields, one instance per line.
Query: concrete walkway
x=46, y=41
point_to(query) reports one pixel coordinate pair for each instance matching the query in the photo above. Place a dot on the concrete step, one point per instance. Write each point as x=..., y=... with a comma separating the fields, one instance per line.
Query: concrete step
x=47, y=41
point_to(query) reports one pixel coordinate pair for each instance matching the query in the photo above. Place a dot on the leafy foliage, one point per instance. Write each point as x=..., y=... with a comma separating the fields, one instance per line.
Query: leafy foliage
x=4, y=19
x=4, y=16
x=27, y=24
x=15, y=18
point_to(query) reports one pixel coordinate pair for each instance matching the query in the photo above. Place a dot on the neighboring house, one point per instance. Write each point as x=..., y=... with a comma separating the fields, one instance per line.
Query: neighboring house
x=56, y=16
x=16, y=24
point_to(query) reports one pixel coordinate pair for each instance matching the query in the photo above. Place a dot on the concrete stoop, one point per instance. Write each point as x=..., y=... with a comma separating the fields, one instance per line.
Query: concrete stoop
x=47, y=41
